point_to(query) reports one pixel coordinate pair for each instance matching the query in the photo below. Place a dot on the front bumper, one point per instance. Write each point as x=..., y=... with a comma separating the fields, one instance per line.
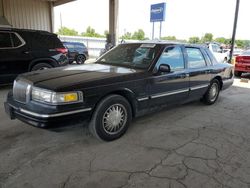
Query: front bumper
x=38, y=119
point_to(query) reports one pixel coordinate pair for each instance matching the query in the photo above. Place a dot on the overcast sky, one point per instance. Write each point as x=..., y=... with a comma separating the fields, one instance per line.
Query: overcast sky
x=184, y=18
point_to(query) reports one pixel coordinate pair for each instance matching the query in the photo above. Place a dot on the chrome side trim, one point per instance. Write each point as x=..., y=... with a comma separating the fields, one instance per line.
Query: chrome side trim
x=143, y=99
x=169, y=93
x=54, y=115
x=199, y=87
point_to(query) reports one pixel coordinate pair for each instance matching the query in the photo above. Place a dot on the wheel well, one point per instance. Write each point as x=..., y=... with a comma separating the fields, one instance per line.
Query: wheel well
x=127, y=95
x=220, y=81
x=32, y=64
x=81, y=55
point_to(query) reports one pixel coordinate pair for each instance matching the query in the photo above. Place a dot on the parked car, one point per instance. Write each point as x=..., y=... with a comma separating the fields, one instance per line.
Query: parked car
x=242, y=63
x=237, y=52
x=220, y=55
x=28, y=50
x=126, y=82
x=76, y=52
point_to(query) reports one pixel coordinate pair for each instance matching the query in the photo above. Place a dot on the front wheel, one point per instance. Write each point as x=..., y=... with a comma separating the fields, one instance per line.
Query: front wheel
x=212, y=93
x=111, y=118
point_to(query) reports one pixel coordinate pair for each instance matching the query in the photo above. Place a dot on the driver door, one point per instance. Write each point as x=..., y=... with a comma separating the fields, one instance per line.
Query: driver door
x=173, y=87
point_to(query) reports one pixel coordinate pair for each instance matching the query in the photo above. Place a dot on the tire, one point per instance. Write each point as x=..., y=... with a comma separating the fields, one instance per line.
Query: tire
x=212, y=93
x=237, y=73
x=80, y=59
x=41, y=66
x=105, y=125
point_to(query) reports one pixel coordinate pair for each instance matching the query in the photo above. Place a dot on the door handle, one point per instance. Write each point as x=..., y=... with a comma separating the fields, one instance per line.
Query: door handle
x=185, y=75
x=26, y=52
x=207, y=71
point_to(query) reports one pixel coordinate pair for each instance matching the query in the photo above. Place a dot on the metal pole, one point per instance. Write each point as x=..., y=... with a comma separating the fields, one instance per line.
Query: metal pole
x=153, y=32
x=160, y=30
x=234, y=29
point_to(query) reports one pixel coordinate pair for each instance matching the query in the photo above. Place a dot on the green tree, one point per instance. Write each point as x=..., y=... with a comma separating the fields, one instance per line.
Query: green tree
x=173, y=38
x=221, y=40
x=208, y=37
x=90, y=32
x=127, y=36
x=67, y=31
x=194, y=40
x=240, y=43
x=138, y=35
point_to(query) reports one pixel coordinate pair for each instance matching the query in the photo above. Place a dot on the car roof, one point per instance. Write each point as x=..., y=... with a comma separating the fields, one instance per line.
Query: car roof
x=25, y=30
x=72, y=42
x=166, y=42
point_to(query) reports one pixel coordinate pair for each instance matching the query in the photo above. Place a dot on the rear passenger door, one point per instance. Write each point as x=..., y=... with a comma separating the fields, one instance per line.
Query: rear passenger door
x=14, y=59
x=199, y=72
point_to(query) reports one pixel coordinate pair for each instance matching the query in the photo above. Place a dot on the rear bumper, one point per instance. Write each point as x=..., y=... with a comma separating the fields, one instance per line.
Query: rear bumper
x=62, y=118
x=242, y=67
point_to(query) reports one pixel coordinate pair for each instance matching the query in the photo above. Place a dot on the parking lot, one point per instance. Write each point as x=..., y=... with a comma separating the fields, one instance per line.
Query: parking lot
x=192, y=145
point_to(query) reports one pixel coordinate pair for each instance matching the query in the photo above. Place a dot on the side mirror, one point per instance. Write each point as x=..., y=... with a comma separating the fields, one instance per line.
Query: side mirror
x=164, y=68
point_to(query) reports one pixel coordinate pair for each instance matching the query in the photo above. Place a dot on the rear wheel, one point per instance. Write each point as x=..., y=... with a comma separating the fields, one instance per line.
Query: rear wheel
x=212, y=93
x=41, y=66
x=111, y=118
x=80, y=59
x=237, y=73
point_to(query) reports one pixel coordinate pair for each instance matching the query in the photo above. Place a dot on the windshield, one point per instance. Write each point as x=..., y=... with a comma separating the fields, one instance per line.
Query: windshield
x=130, y=55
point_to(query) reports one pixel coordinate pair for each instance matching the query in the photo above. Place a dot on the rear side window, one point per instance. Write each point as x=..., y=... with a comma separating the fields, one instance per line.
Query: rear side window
x=5, y=40
x=68, y=45
x=173, y=57
x=16, y=41
x=44, y=41
x=195, y=58
x=81, y=46
x=9, y=40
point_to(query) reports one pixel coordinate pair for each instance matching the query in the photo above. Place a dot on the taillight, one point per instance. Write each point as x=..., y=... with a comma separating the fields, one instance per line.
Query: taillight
x=62, y=50
x=238, y=59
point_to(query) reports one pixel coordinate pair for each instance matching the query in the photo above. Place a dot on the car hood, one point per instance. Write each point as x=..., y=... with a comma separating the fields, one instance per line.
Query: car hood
x=80, y=76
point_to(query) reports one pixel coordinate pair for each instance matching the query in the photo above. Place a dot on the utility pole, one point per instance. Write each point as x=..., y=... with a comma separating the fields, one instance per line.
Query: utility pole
x=234, y=29
x=61, y=19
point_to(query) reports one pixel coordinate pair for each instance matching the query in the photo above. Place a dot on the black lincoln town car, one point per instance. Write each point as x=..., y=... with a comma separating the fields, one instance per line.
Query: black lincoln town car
x=126, y=82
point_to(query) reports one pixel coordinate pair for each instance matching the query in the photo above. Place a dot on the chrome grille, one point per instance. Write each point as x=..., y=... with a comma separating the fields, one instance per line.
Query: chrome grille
x=21, y=90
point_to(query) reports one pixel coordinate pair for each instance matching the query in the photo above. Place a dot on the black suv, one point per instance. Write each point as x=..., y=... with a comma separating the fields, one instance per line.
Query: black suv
x=76, y=52
x=28, y=50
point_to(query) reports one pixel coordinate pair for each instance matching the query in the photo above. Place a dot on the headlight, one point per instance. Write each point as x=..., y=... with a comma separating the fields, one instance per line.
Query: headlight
x=50, y=97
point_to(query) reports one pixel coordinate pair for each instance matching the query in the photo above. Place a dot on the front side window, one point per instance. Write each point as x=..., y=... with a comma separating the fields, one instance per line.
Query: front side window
x=5, y=40
x=195, y=58
x=130, y=55
x=172, y=56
